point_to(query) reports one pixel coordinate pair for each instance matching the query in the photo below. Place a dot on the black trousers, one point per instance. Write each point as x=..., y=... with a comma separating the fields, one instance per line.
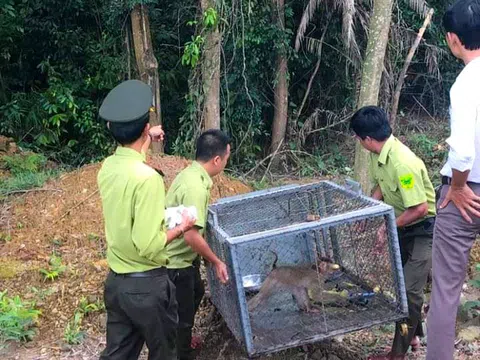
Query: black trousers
x=416, y=253
x=190, y=291
x=140, y=310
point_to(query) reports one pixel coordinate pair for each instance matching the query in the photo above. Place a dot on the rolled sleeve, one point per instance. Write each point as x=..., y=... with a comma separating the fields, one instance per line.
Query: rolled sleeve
x=463, y=118
x=149, y=231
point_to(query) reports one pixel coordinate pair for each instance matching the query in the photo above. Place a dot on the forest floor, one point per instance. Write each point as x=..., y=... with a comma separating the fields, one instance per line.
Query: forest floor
x=64, y=219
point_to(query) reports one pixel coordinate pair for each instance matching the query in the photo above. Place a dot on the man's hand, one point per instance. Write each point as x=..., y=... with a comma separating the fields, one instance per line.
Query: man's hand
x=221, y=271
x=382, y=237
x=465, y=200
x=188, y=221
x=157, y=134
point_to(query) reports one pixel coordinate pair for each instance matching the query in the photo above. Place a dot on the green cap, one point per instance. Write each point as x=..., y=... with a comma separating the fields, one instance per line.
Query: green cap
x=129, y=101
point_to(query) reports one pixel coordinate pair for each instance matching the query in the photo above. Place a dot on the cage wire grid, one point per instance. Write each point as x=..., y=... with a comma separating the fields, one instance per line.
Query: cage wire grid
x=298, y=227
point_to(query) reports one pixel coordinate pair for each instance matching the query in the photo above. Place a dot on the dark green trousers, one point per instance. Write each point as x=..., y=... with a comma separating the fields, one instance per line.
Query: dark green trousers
x=140, y=310
x=416, y=251
x=190, y=291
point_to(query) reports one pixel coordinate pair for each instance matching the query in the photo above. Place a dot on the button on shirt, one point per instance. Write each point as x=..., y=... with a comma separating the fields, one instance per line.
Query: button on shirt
x=190, y=188
x=133, y=201
x=402, y=177
x=464, y=140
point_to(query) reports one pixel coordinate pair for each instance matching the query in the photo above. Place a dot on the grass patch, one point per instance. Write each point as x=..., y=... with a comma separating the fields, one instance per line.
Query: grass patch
x=26, y=171
x=17, y=319
x=73, y=334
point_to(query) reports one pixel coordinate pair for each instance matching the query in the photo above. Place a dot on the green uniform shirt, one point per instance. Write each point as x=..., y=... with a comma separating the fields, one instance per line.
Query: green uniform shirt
x=190, y=188
x=133, y=201
x=402, y=177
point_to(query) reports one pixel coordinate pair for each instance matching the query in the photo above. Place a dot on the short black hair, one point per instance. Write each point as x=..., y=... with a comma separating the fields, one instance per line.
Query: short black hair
x=463, y=19
x=210, y=144
x=126, y=133
x=371, y=121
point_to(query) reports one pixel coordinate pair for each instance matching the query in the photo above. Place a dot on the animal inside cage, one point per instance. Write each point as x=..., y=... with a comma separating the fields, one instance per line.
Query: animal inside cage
x=306, y=262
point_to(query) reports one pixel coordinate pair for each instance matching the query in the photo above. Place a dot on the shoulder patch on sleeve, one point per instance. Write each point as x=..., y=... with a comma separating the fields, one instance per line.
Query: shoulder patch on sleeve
x=407, y=181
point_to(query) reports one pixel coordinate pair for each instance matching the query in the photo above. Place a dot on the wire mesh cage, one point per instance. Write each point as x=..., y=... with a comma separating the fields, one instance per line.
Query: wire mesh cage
x=306, y=262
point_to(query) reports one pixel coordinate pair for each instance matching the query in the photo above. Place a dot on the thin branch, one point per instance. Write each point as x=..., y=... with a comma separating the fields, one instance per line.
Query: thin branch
x=28, y=191
x=273, y=157
x=423, y=107
x=315, y=71
x=264, y=160
x=244, y=57
x=408, y=60
x=76, y=206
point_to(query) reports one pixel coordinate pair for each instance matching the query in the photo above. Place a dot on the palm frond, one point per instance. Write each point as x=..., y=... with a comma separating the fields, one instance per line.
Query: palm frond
x=348, y=30
x=419, y=6
x=314, y=45
x=433, y=56
x=307, y=16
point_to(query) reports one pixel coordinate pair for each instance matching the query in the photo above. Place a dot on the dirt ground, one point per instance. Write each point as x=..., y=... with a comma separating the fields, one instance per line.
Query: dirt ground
x=64, y=218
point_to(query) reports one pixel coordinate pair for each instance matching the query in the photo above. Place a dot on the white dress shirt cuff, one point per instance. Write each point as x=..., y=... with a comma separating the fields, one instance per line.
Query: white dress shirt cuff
x=460, y=162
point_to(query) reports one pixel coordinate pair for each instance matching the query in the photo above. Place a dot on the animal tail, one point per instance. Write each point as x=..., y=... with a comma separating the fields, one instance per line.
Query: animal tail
x=274, y=265
x=254, y=302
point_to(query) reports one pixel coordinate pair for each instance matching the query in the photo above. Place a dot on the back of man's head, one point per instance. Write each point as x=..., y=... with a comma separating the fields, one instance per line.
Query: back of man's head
x=127, y=133
x=371, y=121
x=210, y=144
x=463, y=19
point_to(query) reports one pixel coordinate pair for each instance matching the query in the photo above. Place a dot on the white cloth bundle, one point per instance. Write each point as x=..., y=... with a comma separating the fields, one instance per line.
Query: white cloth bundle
x=173, y=215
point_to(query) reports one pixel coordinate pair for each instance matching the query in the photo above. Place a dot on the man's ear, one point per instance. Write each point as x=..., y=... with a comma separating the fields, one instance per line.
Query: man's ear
x=108, y=125
x=217, y=160
x=452, y=39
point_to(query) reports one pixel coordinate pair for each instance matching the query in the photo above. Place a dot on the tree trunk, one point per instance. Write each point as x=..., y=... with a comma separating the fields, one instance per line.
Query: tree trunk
x=371, y=77
x=280, y=117
x=211, y=73
x=147, y=63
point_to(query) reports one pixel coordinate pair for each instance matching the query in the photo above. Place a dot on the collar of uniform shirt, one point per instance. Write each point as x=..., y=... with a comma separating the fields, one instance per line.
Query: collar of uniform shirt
x=382, y=158
x=207, y=180
x=130, y=153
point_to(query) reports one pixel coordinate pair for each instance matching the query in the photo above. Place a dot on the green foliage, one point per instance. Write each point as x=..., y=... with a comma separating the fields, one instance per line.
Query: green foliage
x=27, y=171
x=17, y=318
x=55, y=268
x=24, y=181
x=19, y=164
x=427, y=148
x=73, y=334
x=58, y=61
x=474, y=306
x=210, y=18
x=62, y=61
x=85, y=307
x=193, y=48
x=191, y=52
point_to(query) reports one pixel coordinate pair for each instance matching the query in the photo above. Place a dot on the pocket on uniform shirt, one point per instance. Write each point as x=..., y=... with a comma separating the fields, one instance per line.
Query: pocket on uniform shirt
x=393, y=186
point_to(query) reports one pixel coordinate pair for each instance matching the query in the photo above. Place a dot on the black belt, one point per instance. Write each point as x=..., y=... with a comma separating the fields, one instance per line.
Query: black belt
x=446, y=180
x=428, y=221
x=144, y=274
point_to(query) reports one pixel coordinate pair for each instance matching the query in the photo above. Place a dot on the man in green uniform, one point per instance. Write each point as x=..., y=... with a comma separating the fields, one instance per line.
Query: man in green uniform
x=401, y=180
x=192, y=188
x=139, y=297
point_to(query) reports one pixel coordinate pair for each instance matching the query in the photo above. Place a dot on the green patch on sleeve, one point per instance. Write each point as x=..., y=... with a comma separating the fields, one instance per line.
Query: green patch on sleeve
x=407, y=181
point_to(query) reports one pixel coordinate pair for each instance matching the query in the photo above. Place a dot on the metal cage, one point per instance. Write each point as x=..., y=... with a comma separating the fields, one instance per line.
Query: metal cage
x=302, y=226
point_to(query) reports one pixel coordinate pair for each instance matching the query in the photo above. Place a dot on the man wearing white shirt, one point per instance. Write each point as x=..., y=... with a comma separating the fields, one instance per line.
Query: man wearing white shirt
x=458, y=216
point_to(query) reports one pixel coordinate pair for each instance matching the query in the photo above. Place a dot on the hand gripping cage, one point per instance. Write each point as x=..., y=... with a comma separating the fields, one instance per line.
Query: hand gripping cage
x=305, y=227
